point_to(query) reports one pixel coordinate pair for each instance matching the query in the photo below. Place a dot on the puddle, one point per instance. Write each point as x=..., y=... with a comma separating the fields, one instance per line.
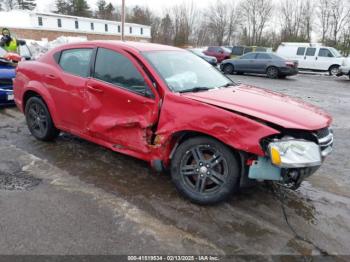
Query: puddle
x=17, y=181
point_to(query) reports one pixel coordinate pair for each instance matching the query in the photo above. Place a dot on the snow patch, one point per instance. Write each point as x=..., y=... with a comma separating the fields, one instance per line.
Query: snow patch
x=38, y=48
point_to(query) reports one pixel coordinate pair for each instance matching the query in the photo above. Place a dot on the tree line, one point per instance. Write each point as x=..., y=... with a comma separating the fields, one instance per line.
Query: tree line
x=225, y=22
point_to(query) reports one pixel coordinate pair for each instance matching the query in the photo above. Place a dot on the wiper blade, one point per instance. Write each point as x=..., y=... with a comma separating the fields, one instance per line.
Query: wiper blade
x=195, y=89
x=227, y=85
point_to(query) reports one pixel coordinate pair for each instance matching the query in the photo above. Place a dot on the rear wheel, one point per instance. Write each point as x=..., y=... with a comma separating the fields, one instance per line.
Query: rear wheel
x=272, y=72
x=228, y=69
x=205, y=171
x=333, y=70
x=39, y=120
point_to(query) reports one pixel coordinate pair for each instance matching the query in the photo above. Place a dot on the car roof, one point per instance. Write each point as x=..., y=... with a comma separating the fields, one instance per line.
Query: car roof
x=136, y=46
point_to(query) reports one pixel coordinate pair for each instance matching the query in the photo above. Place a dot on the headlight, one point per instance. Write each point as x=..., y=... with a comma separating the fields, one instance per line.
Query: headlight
x=294, y=153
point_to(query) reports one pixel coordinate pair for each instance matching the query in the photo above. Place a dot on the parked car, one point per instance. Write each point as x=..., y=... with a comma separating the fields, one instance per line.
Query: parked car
x=221, y=53
x=238, y=51
x=344, y=70
x=7, y=73
x=312, y=56
x=261, y=63
x=172, y=109
x=210, y=59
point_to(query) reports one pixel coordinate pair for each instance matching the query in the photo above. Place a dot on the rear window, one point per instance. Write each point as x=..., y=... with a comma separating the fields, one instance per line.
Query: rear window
x=310, y=51
x=248, y=50
x=301, y=51
x=76, y=61
x=261, y=49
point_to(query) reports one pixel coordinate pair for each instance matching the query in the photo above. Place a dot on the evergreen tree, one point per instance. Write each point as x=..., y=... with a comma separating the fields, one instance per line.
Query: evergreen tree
x=79, y=8
x=62, y=7
x=26, y=4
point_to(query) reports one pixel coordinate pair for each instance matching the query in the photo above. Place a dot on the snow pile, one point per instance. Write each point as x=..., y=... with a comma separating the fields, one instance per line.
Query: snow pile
x=38, y=48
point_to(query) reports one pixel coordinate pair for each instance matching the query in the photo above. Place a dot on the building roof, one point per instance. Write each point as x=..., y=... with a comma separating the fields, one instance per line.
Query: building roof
x=22, y=19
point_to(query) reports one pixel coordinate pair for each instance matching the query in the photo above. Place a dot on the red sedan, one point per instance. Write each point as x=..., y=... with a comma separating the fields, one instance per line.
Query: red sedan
x=169, y=107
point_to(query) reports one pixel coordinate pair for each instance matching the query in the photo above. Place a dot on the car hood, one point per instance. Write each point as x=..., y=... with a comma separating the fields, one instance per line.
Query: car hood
x=266, y=105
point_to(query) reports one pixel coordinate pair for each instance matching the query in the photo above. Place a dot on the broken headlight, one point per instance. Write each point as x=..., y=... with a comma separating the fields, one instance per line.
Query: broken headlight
x=292, y=153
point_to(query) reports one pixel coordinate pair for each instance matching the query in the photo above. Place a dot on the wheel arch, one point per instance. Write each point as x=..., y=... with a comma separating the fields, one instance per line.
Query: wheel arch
x=337, y=65
x=36, y=89
x=179, y=137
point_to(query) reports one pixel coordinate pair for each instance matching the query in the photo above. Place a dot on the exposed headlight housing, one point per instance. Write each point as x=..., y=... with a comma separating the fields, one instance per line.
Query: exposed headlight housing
x=294, y=153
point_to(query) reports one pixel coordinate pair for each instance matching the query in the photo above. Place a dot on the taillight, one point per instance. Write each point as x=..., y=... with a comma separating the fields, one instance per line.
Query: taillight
x=290, y=64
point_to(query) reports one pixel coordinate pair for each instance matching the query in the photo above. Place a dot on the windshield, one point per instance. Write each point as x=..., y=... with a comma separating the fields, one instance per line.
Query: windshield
x=184, y=71
x=226, y=49
x=335, y=52
x=196, y=51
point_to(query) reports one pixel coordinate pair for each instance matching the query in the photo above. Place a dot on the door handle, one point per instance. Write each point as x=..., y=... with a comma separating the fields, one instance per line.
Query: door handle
x=93, y=89
x=316, y=58
x=51, y=76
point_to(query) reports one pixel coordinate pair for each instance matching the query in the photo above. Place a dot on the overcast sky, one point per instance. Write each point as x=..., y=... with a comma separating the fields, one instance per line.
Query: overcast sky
x=155, y=5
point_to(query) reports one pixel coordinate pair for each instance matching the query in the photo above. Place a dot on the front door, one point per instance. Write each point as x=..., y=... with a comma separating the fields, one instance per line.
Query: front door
x=121, y=102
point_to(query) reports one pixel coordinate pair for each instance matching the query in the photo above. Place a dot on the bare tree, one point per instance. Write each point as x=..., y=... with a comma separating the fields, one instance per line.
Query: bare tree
x=184, y=17
x=255, y=14
x=339, y=13
x=324, y=16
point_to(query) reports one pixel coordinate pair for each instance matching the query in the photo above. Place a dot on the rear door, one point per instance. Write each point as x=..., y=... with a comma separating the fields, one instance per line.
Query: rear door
x=122, y=104
x=299, y=56
x=309, y=58
x=66, y=83
x=262, y=61
x=246, y=63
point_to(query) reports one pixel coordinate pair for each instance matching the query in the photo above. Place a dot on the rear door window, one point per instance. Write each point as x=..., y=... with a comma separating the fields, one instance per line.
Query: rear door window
x=301, y=51
x=76, y=61
x=249, y=56
x=263, y=56
x=118, y=70
x=310, y=51
x=324, y=52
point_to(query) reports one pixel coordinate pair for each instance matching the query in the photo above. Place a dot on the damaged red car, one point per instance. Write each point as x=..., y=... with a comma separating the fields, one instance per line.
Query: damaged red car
x=170, y=108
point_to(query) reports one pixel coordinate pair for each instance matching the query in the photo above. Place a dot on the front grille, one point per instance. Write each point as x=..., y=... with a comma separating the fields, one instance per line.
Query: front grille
x=5, y=82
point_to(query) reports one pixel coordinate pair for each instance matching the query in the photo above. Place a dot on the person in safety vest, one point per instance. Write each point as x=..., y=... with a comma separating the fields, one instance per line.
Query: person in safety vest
x=9, y=43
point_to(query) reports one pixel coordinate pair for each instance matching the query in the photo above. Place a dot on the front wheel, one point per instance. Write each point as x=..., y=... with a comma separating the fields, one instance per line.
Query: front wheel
x=39, y=120
x=334, y=70
x=228, y=69
x=205, y=171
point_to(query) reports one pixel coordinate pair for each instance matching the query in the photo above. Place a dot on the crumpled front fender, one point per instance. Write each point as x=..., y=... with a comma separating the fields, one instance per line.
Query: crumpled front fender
x=183, y=114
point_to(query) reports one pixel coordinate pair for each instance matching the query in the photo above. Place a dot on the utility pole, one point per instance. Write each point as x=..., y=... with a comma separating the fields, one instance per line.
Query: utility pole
x=123, y=19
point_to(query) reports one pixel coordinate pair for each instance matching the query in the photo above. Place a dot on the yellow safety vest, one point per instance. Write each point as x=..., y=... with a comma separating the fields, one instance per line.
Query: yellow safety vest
x=12, y=46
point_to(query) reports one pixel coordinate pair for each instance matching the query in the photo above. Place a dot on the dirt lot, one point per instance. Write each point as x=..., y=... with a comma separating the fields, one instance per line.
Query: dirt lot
x=74, y=197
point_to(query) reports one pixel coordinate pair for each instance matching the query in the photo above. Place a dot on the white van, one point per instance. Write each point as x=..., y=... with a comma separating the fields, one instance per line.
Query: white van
x=312, y=56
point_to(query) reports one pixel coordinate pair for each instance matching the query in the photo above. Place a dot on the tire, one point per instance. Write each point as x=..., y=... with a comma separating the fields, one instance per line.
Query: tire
x=333, y=70
x=205, y=171
x=228, y=69
x=272, y=72
x=39, y=120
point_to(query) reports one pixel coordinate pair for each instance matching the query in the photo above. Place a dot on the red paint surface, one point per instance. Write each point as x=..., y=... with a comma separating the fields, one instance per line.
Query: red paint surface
x=220, y=56
x=148, y=128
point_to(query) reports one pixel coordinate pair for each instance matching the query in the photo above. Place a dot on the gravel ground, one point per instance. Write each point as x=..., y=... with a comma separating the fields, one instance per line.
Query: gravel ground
x=72, y=197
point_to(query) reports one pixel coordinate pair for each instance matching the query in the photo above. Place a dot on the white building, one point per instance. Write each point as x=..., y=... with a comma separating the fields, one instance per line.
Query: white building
x=50, y=25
